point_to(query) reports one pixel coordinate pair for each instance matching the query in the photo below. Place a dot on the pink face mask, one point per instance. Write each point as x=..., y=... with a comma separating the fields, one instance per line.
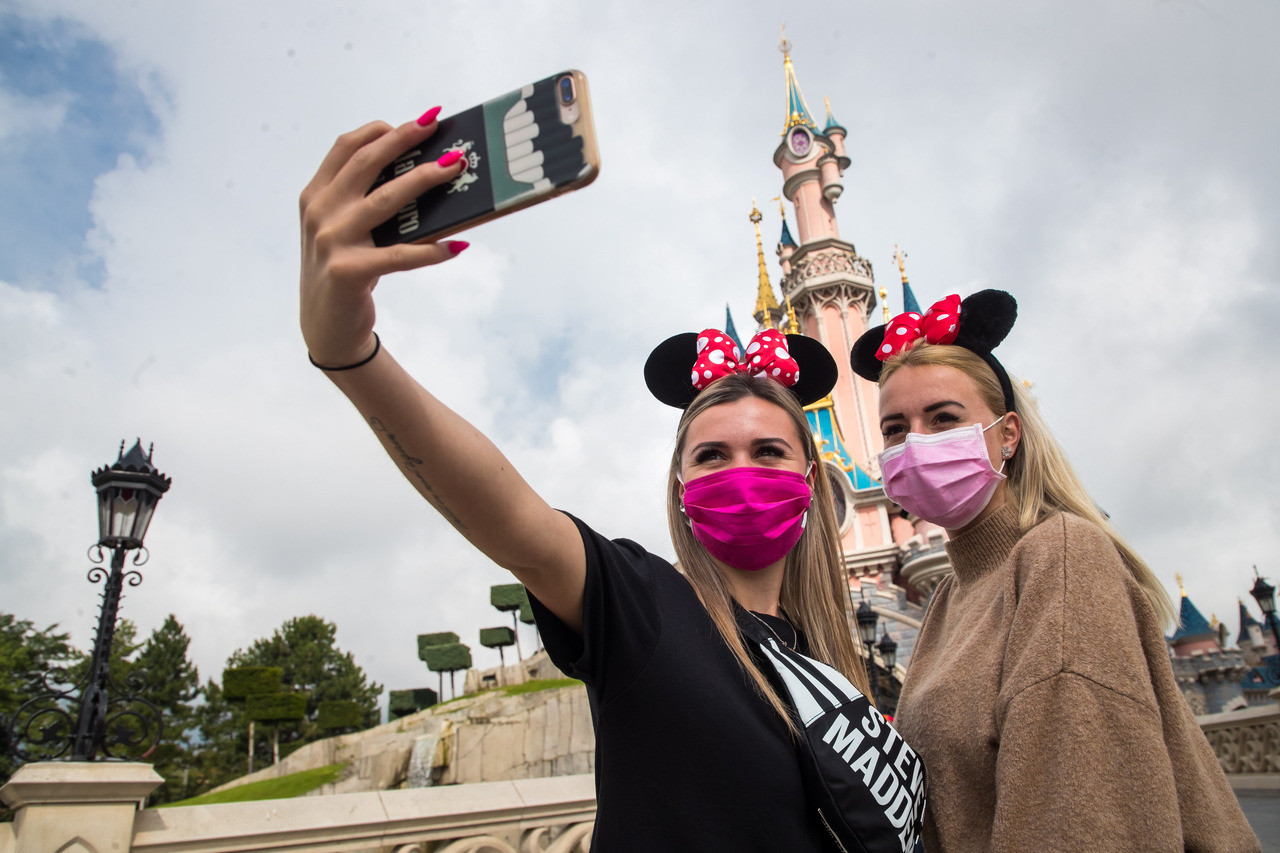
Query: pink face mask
x=748, y=518
x=945, y=478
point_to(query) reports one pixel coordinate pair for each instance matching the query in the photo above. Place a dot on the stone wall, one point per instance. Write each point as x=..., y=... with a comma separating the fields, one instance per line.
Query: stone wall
x=491, y=737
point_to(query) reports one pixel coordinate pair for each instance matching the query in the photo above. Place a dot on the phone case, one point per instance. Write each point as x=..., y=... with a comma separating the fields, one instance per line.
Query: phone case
x=522, y=148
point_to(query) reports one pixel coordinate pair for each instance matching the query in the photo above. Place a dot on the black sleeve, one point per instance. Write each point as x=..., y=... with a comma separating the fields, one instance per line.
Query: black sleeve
x=620, y=619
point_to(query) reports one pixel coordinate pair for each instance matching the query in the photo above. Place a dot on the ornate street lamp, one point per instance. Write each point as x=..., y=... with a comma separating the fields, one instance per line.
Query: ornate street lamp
x=888, y=650
x=106, y=718
x=866, y=618
x=1265, y=594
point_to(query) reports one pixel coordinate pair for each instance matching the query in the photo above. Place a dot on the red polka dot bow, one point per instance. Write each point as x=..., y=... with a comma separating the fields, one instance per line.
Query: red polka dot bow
x=939, y=325
x=767, y=355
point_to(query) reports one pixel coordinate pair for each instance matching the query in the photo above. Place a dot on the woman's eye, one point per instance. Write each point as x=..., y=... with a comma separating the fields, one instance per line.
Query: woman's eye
x=945, y=418
x=770, y=450
x=704, y=456
x=891, y=430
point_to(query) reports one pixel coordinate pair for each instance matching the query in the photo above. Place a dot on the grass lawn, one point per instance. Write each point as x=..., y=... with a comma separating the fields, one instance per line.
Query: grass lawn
x=293, y=785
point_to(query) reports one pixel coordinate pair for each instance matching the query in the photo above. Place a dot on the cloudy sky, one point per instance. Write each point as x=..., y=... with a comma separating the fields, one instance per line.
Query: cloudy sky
x=1111, y=164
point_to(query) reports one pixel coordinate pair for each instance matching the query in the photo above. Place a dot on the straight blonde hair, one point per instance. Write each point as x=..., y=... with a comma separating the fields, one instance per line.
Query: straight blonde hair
x=1041, y=479
x=814, y=583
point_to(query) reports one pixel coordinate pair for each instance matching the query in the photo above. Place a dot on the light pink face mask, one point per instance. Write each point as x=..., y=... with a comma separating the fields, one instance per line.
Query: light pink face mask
x=945, y=478
x=748, y=518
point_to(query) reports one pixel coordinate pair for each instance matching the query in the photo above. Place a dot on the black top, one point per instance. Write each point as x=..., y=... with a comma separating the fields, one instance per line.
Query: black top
x=688, y=755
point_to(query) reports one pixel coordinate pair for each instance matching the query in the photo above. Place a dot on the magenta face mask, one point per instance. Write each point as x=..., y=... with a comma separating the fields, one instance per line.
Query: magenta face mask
x=945, y=478
x=748, y=518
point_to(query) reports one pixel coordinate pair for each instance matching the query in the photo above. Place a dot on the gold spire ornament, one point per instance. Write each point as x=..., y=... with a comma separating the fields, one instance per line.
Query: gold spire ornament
x=884, y=298
x=791, y=318
x=1182, y=589
x=900, y=256
x=766, y=303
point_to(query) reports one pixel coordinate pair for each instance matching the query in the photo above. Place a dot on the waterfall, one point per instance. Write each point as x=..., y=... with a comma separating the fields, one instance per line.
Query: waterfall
x=421, y=759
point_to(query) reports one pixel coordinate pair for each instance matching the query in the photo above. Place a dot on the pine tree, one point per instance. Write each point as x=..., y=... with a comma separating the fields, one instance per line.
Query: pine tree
x=306, y=649
x=173, y=683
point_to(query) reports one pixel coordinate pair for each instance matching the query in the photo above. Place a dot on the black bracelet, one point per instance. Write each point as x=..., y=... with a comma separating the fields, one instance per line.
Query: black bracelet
x=377, y=345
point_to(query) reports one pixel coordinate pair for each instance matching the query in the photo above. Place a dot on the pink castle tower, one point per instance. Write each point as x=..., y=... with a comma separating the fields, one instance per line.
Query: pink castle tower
x=829, y=293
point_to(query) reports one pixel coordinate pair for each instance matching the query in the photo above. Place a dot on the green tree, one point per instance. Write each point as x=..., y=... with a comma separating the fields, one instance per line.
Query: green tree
x=173, y=684
x=26, y=656
x=305, y=648
x=221, y=740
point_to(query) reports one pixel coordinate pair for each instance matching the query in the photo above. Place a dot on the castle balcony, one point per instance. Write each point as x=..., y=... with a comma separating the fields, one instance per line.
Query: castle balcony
x=829, y=268
x=924, y=563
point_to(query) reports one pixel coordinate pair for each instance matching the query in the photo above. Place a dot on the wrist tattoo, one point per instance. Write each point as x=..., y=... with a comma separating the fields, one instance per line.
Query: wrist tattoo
x=410, y=466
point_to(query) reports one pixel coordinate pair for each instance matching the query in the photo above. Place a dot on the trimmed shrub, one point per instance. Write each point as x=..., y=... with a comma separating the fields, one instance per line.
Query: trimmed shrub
x=402, y=702
x=526, y=613
x=276, y=707
x=507, y=596
x=238, y=684
x=442, y=638
x=448, y=658
x=493, y=638
x=339, y=714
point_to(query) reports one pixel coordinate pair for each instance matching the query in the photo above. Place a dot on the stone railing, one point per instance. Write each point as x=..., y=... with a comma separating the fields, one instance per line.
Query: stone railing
x=82, y=807
x=1247, y=743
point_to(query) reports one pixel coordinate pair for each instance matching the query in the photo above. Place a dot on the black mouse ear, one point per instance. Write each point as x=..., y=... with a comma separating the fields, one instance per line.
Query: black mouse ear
x=818, y=371
x=669, y=370
x=863, y=355
x=986, y=317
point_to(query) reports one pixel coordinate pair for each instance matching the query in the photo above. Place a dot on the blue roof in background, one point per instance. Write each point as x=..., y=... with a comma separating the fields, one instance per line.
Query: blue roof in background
x=1246, y=622
x=823, y=424
x=786, y=239
x=1192, y=623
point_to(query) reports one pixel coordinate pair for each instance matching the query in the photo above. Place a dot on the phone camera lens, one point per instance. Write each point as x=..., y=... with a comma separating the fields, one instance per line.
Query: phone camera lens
x=565, y=87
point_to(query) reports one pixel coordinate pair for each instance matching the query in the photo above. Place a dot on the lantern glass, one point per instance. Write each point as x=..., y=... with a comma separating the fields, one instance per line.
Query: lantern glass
x=124, y=514
x=888, y=650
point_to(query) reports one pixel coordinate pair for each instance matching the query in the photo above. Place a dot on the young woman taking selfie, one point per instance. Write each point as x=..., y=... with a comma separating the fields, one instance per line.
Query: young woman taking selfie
x=1040, y=691
x=727, y=697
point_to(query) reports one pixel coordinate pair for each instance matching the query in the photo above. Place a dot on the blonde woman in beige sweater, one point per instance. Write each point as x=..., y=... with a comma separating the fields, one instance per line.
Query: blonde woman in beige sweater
x=1040, y=692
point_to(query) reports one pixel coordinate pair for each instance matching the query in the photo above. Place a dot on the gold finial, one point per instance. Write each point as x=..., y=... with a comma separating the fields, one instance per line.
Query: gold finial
x=884, y=298
x=791, y=318
x=1181, y=588
x=766, y=303
x=900, y=256
x=784, y=45
x=782, y=210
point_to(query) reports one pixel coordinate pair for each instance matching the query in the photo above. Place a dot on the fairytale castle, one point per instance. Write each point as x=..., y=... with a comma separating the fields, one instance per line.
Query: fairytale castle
x=827, y=291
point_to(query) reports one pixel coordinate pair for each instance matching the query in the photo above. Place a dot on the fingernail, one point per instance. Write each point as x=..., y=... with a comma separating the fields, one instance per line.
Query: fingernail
x=428, y=117
x=448, y=158
x=456, y=247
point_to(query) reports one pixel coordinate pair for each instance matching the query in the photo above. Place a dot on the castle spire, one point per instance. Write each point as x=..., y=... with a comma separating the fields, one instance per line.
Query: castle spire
x=909, y=303
x=766, y=304
x=797, y=109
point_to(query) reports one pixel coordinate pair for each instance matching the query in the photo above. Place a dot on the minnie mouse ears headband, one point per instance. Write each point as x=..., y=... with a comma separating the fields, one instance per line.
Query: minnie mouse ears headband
x=684, y=364
x=978, y=324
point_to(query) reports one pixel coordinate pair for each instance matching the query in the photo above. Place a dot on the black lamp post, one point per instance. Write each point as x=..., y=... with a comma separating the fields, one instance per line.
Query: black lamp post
x=108, y=718
x=1265, y=594
x=866, y=618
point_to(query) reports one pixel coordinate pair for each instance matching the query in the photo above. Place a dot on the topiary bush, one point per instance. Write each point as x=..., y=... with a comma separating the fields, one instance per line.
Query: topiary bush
x=276, y=707
x=448, y=658
x=507, y=596
x=242, y=682
x=402, y=702
x=495, y=638
x=441, y=638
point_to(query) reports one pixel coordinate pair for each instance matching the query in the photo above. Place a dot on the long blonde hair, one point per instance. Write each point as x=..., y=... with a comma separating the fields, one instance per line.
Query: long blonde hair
x=1041, y=480
x=814, y=584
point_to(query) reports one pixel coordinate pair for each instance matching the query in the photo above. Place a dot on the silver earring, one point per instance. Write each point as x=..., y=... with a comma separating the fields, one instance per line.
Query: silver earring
x=1005, y=452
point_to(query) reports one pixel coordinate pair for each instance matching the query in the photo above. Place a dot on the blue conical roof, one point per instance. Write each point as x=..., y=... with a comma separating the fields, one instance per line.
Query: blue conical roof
x=1191, y=623
x=1246, y=622
x=797, y=109
x=729, y=328
x=909, y=303
x=786, y=239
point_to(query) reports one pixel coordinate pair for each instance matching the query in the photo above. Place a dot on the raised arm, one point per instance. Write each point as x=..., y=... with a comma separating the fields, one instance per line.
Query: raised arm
x=458, y=470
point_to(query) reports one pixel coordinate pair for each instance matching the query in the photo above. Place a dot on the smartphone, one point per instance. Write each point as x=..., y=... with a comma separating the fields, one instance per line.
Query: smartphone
x=524, y=147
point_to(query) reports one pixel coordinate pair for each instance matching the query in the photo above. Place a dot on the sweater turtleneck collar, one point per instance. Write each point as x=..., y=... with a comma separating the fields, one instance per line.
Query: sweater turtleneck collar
x=983, y=547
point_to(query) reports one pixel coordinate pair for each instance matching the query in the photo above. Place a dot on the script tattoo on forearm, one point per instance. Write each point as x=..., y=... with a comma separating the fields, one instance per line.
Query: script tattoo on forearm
x=410, y=465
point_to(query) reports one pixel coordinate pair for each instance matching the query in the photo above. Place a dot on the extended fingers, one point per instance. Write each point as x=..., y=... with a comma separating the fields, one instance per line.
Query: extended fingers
x=381, y=204
x=343, y=148
x=378, y=261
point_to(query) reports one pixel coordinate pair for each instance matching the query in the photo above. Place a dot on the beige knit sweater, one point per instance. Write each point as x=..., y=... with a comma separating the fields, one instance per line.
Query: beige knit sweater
x=1041, y=698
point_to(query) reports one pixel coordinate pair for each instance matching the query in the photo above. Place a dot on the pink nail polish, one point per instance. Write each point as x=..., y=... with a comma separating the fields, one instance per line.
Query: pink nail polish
x=456, y=247
x=428, y=117
x=449, y=158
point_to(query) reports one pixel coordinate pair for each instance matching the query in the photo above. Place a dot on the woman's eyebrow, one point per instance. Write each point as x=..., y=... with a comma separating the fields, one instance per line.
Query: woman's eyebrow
x=929, y=408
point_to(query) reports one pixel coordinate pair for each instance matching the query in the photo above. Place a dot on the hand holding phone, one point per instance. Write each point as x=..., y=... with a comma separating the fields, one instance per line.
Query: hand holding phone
x=519, y=149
